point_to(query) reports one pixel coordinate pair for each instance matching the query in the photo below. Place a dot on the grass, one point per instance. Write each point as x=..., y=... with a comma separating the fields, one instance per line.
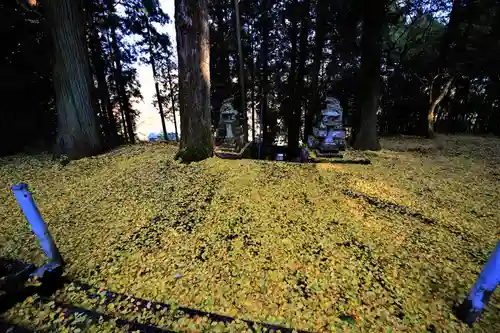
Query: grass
x=393, y=244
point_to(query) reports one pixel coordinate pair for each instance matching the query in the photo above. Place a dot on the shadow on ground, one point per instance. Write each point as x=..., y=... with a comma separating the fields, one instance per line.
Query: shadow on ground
x=14, y=273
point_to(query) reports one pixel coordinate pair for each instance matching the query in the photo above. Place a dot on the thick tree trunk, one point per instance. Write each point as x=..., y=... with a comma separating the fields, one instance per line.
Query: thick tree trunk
x=320, y=32
x=78, y=134
x=193, y=48
x=369, y=93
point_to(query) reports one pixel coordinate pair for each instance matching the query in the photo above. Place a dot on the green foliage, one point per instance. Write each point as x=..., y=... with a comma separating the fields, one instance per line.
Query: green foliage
x=416, y=40
x=315, y=247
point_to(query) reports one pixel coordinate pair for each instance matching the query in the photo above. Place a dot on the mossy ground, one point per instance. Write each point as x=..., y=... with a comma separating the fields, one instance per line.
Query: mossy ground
x=396, y=243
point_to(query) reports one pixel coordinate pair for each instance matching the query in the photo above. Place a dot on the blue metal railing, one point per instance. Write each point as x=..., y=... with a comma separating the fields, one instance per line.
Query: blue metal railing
x=39, y=228
x=480, y=293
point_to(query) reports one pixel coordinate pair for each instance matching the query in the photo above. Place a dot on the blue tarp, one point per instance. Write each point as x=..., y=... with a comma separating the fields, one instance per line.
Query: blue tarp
x=171, y=136
x=153, y=136
x=159, y=136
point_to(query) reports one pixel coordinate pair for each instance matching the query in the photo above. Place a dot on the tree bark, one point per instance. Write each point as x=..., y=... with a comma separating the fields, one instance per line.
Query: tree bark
x=193, y=48
x=374, y=21
x=78, y=134
x=431, y=114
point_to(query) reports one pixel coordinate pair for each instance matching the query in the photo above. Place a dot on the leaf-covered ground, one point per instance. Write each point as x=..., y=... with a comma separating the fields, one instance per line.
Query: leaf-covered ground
x=390, y=246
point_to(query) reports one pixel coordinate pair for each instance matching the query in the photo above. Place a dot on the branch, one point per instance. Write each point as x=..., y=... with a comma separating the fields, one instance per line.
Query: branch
x=406, y=48
x=435, y=77
x=423, y=81
x=26, y=7
x=410, y=25
x=30, y=3
x=445, y=90
x=431, y=90
x=424, y=32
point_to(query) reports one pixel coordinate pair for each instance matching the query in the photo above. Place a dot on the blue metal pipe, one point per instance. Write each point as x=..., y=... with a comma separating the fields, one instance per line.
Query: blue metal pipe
x=38, y=226
x=480, y=293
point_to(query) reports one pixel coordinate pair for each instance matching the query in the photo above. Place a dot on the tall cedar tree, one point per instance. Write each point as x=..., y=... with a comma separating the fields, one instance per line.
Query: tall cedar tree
x=374, y=23
x=193, y=54
x=78, y=134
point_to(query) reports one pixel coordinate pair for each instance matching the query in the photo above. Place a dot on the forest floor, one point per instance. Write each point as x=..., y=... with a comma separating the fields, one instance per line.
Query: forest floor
x=386, y=247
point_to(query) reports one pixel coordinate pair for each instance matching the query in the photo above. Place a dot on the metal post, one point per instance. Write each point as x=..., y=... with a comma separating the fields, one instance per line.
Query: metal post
x=479, y=295
x=38, y=226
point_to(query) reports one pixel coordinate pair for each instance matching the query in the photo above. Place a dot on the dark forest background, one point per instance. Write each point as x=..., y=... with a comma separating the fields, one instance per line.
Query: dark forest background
x=398, y=66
